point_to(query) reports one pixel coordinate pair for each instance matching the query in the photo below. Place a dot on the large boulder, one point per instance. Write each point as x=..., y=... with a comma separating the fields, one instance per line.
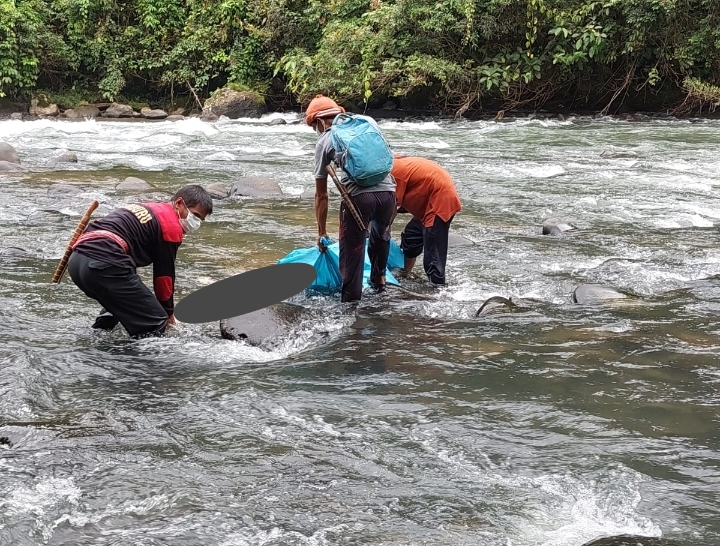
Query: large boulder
x=149, y=113
x=8, y=153
x=234, y=104
x=49, y=110
x=82, y=112
x=116, y=110
x=274, y=322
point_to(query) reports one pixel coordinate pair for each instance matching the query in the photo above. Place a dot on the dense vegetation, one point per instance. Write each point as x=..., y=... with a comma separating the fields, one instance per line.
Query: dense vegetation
x=457, y=55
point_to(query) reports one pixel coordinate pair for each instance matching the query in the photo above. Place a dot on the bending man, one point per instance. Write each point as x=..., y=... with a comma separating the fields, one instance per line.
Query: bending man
x=105, y=258
x=425, y=190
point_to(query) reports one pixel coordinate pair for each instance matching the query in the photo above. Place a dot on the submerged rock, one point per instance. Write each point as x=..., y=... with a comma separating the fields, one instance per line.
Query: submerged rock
x=556, y=229
x=632, y=540
x=13, y=252
x=275, y=321
x=64, y=190
x=9, y=167
x=496, y=304
x=256, y=186
x=217, y=190
x=131, y=183
x=66, y=158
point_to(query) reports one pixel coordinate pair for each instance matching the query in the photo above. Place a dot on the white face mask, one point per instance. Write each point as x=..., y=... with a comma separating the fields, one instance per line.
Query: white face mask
x=191, y=223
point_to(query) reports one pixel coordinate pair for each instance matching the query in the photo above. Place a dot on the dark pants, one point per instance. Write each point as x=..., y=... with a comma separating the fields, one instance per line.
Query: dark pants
x=376, y=210
x=121, y=292
x=432, y=242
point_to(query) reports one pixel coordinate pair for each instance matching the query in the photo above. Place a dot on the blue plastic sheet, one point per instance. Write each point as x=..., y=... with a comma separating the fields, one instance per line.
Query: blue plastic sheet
x=327, y=265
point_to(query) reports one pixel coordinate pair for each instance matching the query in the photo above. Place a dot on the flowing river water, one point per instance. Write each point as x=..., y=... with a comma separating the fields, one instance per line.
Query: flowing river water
x=406, y=421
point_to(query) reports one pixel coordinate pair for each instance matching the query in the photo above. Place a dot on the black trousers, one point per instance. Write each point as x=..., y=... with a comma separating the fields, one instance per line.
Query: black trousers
x=376, y=210
x=123, y=295
x=431, y=242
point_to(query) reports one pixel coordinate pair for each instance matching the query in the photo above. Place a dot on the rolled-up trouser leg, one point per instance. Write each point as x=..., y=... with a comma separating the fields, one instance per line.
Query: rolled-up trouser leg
x=121, y=292
x=436, y=247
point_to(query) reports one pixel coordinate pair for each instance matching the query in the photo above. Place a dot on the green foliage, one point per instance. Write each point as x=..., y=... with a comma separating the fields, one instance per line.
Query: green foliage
x=456, y=53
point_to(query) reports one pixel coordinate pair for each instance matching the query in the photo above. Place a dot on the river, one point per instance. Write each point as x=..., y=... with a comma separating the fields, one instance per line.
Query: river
x=410, y=421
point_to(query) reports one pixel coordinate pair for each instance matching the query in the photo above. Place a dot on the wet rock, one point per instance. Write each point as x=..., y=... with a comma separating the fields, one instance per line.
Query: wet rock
x=8, y=153
x=208, y=116
x=496, y=304
x=66, y=158
x=16, y=115
x=632, y=540
x=132, y=183
x=82, y=112
x=561, y=117
x=235, y=104
x=116, y=110
x=149, y=113
x=275, y=321
x=556, y=229
x=618, y=154
x=217, y=190
x=256, y=186
x=595, y=293
x=5, y=441
x=8, y=167
x=13, y=252
x=50, y=110
x=178, y=112
x=278, y=121
x=174, y=117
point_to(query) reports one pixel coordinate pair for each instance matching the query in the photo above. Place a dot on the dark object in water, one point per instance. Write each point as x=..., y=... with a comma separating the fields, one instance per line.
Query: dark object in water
x=5, y=441
x=275, y=321
x=595, y=293
x=495, y=304
x=631, y=540
x=245, y=293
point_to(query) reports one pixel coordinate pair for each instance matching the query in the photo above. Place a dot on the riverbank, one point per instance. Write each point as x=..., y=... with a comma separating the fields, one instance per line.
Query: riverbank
x=129, y=112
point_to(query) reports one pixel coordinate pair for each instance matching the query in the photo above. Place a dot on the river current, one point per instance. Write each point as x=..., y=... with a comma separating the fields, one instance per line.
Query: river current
x=408, y=421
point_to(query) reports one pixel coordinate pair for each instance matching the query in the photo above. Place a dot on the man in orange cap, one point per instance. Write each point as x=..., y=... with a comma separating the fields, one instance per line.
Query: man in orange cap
x=375, y=204
x=425, y=190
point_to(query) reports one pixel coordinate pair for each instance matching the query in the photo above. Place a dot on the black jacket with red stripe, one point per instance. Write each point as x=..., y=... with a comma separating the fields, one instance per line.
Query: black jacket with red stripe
x=152, y=233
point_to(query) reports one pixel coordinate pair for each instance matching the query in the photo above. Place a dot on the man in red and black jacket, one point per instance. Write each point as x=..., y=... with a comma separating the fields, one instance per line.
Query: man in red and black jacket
x=105, y=259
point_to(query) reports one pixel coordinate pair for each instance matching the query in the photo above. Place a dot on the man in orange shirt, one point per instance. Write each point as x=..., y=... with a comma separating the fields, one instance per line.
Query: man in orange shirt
x=425, y=190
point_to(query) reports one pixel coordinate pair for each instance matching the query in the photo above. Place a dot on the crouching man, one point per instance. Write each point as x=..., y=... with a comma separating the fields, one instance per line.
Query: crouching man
x=105, y=259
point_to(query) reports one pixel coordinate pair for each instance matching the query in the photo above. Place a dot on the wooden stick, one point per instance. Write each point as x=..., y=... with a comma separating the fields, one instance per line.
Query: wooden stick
x=62, y=266
x=346, y=197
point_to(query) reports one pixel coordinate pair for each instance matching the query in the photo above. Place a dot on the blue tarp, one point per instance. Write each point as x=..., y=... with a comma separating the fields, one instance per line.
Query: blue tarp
x=327, y=265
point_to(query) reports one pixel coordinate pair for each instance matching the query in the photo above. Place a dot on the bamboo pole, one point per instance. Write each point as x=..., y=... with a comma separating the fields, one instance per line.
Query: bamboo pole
x=62, y=266
x=346, y=197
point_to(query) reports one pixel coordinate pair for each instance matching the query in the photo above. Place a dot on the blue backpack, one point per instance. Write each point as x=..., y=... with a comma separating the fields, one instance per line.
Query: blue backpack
x=360, y=150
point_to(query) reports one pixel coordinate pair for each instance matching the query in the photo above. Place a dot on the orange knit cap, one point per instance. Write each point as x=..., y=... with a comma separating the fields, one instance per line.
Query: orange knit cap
x=322, y=107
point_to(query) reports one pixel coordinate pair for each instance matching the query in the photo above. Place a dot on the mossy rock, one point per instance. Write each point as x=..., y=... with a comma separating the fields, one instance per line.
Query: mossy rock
x=235, y=104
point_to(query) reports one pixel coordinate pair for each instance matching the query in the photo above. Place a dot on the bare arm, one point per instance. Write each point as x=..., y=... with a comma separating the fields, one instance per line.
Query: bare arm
x=321, y=207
